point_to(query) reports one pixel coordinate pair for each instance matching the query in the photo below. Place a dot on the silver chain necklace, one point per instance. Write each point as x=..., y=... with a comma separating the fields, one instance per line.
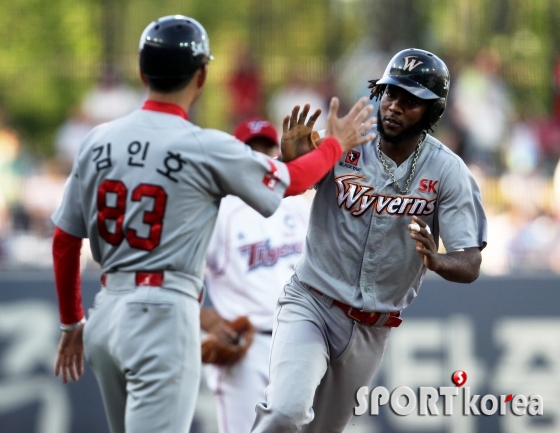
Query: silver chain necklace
x=395, y=181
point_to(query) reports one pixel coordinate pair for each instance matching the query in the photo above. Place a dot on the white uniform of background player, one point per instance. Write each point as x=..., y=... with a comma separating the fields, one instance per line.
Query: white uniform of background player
x=249, y=260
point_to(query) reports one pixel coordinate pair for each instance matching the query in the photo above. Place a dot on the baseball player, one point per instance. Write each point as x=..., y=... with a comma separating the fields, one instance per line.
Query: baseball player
x=250, y=258
x=145, y=189
x=374, y=228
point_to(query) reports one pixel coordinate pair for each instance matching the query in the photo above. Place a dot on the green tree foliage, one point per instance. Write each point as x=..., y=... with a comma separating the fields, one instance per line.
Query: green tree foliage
x=47, y=52
x=52, y=52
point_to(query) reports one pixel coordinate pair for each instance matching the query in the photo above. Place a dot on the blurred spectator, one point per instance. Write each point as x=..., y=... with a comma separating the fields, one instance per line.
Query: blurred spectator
x=41, y=194
x=556, y=77
x=549, y=138
x=70, y=135
x=111, y=98
x=502, y=227
x=448, y=130
x=522, y=156
x=556, y=191
x=483, y=109
x=356, y=67
x=28, y=243
x=13, y=215
x=13, y=168
x=297, y=92
x=531, y=247
x=554, y=260
x=549, y=128
x=533, y=230
x=245, y=89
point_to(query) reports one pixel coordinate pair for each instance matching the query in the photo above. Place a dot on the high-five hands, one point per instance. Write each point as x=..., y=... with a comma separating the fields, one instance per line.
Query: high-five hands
x=349, y=130
x=298, y=136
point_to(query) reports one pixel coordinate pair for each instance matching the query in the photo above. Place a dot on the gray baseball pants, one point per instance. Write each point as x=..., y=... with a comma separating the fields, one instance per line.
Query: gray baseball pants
x=143, y=344
x=319, y=359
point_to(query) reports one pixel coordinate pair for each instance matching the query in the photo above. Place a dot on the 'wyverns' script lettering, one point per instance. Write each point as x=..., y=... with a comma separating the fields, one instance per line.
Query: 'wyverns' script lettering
x=358, y=198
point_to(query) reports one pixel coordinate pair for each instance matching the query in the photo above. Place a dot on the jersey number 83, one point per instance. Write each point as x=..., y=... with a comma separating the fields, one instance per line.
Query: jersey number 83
x=153, y=218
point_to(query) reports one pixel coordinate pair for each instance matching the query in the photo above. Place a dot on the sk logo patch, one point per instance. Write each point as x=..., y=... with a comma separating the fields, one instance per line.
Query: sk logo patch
x=428, y=185
x=352, y=157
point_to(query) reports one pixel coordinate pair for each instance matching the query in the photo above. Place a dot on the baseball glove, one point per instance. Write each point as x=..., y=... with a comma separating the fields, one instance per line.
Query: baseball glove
x=216, y=351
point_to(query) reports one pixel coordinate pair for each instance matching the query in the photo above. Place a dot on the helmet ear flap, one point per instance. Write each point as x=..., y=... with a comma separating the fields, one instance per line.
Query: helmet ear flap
x=436, y=111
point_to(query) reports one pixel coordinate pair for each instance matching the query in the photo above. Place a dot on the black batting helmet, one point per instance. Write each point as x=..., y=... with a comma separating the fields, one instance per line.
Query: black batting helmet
x=173, y=47
x=421, y=73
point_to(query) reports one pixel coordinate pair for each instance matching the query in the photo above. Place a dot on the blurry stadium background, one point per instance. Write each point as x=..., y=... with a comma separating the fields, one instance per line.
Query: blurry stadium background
x=66, y=66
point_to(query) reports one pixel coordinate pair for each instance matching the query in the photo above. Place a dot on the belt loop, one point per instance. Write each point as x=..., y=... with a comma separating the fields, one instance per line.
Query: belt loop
x=382, y=319
x=327, y=300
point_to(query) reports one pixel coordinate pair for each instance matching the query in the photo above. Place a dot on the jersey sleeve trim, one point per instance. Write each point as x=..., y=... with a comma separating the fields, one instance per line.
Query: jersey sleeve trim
x=69, y=228
x=310, y=168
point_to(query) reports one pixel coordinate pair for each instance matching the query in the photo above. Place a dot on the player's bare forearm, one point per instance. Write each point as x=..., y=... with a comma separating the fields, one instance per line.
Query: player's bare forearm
x=459, y=266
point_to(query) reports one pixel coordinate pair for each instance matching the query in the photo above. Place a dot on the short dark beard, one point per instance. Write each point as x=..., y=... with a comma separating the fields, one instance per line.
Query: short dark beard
x=403, y=136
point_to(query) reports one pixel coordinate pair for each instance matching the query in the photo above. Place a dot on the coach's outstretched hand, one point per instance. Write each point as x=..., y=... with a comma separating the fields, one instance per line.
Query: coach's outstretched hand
x=70, y=357
x=349, y=129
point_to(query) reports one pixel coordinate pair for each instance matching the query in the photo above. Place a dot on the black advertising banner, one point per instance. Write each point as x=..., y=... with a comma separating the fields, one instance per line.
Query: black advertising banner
x=478, y=358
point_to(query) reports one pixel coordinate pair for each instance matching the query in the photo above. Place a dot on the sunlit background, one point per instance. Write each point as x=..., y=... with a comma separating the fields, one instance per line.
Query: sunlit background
x=68, y=65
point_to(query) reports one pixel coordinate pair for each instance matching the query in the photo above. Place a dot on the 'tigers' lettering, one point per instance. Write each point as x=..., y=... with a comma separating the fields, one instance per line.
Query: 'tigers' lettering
x=426, y=398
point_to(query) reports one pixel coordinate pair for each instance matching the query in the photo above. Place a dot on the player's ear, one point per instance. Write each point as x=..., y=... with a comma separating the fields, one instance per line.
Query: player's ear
x=202, y=74
x=143, y=78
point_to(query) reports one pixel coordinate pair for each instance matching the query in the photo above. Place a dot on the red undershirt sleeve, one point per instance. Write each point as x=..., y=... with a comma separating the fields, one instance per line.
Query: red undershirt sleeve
x=310, y=168
x=66, y=258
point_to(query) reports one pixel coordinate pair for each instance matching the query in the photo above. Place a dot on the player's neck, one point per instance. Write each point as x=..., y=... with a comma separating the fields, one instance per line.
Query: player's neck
x=178, y=98
x=399, y=152
x=184, y=98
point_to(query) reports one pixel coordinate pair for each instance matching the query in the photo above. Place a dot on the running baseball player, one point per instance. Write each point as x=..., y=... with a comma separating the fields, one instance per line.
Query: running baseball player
x=374, y=228
x=249, y=260
x=145, y=189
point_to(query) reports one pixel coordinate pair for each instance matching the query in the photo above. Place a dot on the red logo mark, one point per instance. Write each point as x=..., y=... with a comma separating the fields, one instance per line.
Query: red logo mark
x=428, y=185
x=459, y=378
x=508, y=398
x=272, y=177
x=352, y=157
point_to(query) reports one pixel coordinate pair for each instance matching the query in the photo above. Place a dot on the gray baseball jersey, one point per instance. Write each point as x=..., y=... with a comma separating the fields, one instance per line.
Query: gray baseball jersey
x=146, y=190
x=358, y=251
x=358, y=248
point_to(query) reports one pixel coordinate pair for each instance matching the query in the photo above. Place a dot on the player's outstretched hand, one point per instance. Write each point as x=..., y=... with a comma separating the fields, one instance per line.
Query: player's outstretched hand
x=297, y=133
x=70, y=357
x=425, y=244
x=349, y=129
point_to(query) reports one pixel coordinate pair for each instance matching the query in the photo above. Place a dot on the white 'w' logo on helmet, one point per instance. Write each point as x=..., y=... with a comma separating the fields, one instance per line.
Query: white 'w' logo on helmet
x=410, y=62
